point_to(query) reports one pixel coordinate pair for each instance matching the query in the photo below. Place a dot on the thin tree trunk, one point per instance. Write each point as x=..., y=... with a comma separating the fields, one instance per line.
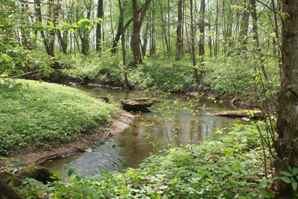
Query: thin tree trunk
x=100, y=15
x=152, y=30
x=138, y=18
x=179, y=37
x=145, y=39
x=202, y=29
x=244, y=26
x=193, y=48
x=216, y=43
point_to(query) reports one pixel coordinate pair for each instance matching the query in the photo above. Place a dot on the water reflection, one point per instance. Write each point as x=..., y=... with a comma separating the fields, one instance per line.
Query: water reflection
x=173, y=122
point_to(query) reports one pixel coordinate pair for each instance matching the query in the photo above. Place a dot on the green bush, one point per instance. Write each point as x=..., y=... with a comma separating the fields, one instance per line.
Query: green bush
x=36, y=113
x=105, y=69
x=240, y=75
x=165, y=75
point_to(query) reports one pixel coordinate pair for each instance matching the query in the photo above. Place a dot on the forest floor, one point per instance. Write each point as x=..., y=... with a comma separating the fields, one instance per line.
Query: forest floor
x=37, y=115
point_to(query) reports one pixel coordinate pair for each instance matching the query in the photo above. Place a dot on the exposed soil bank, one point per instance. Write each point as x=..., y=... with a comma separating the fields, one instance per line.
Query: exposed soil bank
x=79, y=145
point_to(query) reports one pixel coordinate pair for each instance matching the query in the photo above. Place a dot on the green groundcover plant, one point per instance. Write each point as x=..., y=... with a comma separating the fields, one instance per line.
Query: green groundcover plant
x=227, y=166
x=36, y=113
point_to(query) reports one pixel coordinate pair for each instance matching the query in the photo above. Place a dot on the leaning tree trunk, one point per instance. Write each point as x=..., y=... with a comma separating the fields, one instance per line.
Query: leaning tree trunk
x=287, y=124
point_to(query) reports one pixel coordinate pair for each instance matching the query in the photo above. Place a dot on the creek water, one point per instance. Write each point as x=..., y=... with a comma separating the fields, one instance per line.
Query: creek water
x=174, y=121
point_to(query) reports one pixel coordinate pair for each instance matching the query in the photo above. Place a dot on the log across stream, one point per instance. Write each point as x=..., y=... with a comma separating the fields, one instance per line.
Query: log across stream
x=174, y=121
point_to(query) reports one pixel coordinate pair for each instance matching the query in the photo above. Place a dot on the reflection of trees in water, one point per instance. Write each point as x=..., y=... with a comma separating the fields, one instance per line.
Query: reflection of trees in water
x=185, y=127
x=208, y=124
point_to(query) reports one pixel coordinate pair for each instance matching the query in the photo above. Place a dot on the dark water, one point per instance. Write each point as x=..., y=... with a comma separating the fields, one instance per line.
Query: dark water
x=173, y=122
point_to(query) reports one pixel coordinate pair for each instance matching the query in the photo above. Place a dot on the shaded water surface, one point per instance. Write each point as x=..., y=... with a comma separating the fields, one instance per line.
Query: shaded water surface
x=173, y=122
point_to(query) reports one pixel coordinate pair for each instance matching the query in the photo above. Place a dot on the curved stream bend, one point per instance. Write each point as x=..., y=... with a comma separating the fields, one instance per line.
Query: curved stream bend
x=173, y=122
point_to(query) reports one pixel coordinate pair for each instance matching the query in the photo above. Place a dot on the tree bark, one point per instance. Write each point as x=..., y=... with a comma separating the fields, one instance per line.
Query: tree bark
x=202, y=29
x=216, y=43
x=244, y=24
x=179, y=37
x=193, y=48
x=100, y=15
x=287, y=125
x=138, y=18
x=48, y=39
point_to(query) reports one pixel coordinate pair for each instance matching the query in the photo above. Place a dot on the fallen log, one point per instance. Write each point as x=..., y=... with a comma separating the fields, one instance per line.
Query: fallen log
x=137, y=105
x=251, y=114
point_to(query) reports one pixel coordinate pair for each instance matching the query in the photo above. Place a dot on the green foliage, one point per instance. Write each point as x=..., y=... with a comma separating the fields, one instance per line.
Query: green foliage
x=163, y=74
x=240, y=74
x=290, y=177
x=36, y=113
x=228, y=166
x=104, y=69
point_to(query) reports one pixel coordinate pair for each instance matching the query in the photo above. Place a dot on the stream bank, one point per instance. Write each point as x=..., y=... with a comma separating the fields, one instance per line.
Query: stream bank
x=79, y=145
x=174, y=121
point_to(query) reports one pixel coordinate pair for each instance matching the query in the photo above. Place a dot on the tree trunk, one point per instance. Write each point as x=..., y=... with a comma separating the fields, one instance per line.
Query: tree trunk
x=145, y=40
x=48, y=39
x=138, y=18
x=179, y=37
x=287, y=125
x=193, y=48
x=216, y=43
x=63, y=40
x=100, y=14
x=84, y=33
x=244, y=26
x=152, y=31
x=202, y=29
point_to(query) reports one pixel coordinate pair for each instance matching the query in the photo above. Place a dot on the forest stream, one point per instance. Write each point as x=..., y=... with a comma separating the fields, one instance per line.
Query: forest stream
x=174, y=121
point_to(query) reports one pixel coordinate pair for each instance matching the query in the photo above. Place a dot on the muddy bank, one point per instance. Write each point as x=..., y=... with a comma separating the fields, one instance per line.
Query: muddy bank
x=79, y=145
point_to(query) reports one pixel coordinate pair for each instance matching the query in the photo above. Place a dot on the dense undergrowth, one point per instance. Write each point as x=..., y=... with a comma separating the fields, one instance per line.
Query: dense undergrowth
x=235, y=74
x=227, y=166
x=34, y=113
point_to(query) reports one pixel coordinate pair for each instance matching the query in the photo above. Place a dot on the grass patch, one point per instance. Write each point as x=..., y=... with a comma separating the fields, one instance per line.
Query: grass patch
x=36, y=113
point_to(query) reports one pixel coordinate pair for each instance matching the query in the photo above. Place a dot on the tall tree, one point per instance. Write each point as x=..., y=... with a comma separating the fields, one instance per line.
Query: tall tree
x=179, y=34
x=202, y=29
x=84, y=30
x=287, y=125
x=100, y=15
x=216, y=43
x=193, y=39
x=48, y=37
x=139, y=13
x=244, y=24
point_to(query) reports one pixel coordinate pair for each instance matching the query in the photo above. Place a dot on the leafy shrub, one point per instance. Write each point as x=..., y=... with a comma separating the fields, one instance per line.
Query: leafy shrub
x=104, y=69
x=240, y=75
x=165, y=75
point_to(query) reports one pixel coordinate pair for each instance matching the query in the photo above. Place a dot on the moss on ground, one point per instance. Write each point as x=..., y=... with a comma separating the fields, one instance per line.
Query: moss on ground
x=35, y=113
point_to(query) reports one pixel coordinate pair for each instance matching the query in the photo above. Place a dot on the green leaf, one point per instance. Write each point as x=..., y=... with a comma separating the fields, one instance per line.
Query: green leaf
x=285, y=173
x=294, y=186
x=285, y=179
